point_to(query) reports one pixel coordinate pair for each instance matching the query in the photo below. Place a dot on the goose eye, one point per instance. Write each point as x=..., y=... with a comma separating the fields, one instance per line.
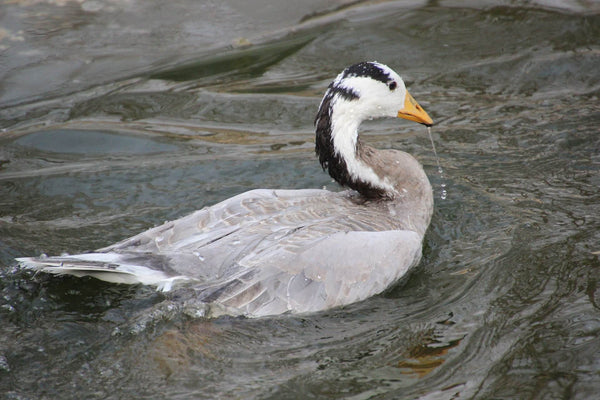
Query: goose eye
x=392, y=85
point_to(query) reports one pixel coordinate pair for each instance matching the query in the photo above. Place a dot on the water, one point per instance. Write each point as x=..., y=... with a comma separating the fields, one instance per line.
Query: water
x=443, y=192
x=117, y=116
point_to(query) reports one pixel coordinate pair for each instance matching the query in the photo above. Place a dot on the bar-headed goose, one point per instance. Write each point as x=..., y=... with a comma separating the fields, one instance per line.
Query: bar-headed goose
x=266, y=252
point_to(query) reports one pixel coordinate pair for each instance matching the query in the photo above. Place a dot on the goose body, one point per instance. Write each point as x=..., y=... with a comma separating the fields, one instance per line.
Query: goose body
x=267, y=252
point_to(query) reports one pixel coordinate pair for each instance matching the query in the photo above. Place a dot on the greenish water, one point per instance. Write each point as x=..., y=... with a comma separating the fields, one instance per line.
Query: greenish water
x=117, y=116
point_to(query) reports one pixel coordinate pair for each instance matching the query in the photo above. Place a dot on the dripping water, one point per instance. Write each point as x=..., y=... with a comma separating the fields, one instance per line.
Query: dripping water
x=444, y=193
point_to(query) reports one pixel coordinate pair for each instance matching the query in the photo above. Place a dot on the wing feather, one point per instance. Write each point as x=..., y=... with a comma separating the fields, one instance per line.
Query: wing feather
x=264, y=252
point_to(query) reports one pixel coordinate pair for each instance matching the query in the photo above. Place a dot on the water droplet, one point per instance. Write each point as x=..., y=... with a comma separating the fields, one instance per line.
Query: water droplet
x=4, y=364
x=444, y=193
x=8, y=307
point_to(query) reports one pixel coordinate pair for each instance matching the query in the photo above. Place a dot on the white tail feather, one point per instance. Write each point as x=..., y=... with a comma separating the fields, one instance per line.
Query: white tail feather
x=103, y=266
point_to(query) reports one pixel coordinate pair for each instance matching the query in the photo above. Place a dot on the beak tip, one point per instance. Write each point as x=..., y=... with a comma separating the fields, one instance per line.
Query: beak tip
x=414, y=112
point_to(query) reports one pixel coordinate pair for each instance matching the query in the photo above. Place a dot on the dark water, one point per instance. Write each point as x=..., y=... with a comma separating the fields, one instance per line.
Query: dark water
x=117, y=116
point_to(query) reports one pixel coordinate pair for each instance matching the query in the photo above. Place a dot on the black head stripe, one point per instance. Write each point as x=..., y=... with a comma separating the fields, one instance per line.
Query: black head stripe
x=369, y=69
x=344, y=92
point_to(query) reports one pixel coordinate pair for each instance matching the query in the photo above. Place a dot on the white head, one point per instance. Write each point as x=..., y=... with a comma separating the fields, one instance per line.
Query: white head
x=372, y=90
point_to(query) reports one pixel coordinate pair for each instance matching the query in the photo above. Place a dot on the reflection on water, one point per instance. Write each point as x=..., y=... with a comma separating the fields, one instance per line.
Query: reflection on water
x=116, y=116
x=90, y=142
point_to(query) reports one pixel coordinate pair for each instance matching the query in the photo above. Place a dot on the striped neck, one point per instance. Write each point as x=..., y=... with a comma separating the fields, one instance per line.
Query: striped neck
x=340, y=149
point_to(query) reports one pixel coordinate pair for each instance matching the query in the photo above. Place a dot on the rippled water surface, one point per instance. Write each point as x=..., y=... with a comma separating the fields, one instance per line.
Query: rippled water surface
x=118, y=115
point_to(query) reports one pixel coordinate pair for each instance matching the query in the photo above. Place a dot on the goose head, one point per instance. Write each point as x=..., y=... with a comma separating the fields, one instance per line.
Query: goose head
x=362, y=91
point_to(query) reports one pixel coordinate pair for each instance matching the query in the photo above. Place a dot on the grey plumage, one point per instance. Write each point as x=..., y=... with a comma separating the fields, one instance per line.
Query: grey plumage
x=266, y=252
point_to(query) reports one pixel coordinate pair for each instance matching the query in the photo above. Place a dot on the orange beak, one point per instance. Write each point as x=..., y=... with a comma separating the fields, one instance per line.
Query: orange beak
x=414, y=112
